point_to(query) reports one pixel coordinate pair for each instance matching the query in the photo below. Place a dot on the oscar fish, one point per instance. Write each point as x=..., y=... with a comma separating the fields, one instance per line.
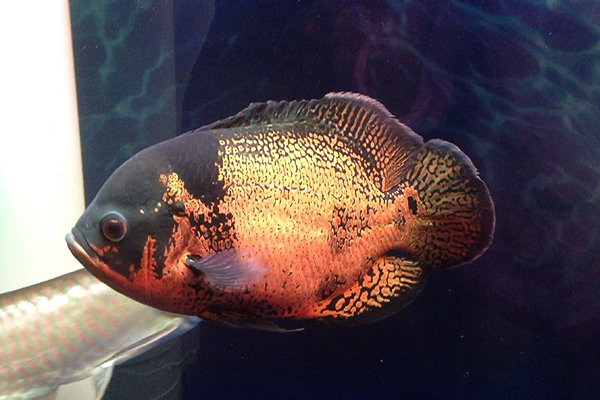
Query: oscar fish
x=328, y=210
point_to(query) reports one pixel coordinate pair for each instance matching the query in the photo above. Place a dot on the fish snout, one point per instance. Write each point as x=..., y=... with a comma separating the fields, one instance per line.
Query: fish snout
x=81, y=250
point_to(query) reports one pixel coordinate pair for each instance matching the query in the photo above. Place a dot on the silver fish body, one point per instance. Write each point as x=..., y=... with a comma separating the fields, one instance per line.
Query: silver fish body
x=70, y=328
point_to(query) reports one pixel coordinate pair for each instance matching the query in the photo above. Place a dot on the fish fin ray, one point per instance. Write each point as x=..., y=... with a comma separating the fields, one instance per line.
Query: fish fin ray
x=240, y=320
x=228, y=269
x=48, y=396
x=365, y=125
x=171, y=329
x=91, y=386
x=101, y=378
x=392, y=283
x=455, y=213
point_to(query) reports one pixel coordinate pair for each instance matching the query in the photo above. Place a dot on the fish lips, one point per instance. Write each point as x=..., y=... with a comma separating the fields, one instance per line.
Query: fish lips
x=82, y=251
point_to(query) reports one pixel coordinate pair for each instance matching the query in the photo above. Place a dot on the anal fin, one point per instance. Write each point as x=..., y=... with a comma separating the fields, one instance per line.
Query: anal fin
x=239, y=320
x=393, y=281
x=91, y=388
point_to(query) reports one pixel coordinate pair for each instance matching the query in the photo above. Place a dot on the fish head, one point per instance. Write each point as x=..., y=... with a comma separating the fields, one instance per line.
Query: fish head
x=128, y=223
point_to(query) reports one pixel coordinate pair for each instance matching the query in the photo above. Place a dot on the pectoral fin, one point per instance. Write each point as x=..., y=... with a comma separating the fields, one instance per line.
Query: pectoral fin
x=229, y=269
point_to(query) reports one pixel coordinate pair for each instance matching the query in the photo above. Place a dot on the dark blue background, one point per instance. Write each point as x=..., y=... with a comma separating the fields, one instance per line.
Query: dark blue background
x=515, y=84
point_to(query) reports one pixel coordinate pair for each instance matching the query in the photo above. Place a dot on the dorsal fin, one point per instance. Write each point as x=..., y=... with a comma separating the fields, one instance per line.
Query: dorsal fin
x=386, y=145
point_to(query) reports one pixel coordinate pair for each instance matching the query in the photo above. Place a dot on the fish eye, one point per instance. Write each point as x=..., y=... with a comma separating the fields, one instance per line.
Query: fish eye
x=113, y=226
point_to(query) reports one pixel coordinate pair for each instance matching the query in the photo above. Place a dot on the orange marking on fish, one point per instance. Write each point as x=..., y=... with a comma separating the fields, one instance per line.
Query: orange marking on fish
x=175, y=188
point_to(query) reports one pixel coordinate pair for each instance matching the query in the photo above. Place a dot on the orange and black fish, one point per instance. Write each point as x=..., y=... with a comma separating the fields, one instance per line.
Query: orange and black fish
x=326, y=209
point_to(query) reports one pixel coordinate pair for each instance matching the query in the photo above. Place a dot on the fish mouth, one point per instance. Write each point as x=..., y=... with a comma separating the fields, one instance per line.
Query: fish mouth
x=81, y=250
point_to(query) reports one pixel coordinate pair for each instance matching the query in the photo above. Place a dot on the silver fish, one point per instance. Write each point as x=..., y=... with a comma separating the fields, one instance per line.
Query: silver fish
x=70, y=328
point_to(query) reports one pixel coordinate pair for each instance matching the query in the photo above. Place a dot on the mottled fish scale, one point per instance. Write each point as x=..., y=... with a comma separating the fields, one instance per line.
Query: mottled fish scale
x=292, y=202
x=383, y=144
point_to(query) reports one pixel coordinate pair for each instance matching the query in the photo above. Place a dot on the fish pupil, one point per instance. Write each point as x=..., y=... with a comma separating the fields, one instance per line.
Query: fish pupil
x=113, y=229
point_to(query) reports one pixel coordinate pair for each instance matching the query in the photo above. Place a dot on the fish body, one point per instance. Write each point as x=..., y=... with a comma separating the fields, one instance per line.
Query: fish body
x=70, y=328
x=326, y=209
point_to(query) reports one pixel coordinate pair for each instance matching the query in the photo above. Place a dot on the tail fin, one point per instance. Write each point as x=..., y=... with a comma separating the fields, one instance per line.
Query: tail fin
x=449, y=214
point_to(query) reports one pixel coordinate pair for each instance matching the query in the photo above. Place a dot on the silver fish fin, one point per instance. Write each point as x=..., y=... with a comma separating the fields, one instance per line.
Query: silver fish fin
x=48, y=396
x=90, y=388
x=172, y=329
x=101, y=378
x=229, y=269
